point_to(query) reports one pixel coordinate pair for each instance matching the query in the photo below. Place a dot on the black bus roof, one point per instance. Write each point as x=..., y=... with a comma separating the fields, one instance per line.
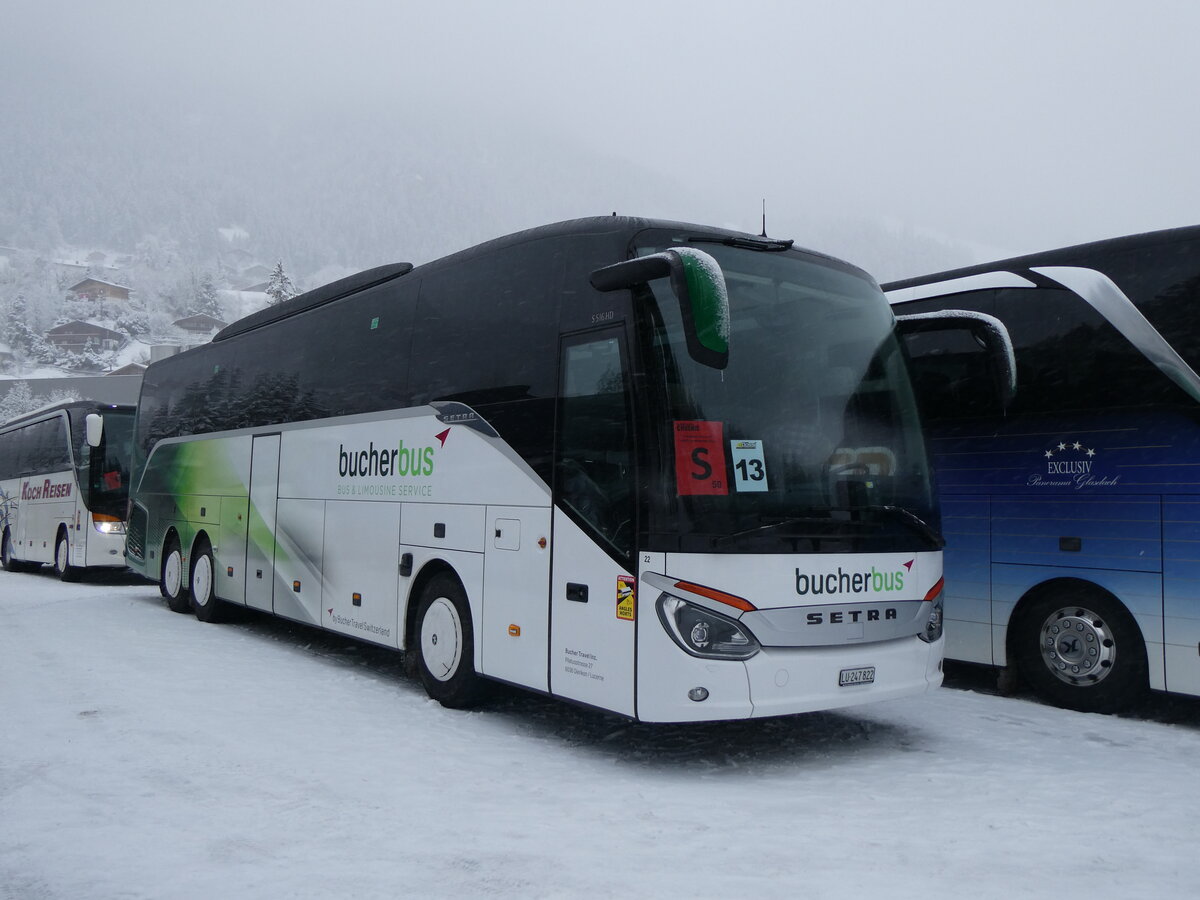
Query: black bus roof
x=1062, y=255
x=613, y=225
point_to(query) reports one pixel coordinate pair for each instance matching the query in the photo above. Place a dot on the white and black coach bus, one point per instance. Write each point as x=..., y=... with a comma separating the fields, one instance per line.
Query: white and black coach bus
x=64, y=487
x=665, y=470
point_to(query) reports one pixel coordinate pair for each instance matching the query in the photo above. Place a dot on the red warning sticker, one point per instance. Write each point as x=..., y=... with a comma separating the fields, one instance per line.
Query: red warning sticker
x=700, y=459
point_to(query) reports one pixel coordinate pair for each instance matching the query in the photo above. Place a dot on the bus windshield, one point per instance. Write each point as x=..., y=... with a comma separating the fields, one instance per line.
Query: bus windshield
x=104, y=471
x=808, y=440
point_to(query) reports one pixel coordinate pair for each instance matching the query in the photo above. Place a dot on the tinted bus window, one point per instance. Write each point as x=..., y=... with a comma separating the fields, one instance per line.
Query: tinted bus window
x=1069, y=357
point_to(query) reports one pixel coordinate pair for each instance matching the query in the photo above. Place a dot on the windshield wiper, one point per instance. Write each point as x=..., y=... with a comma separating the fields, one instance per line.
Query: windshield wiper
x=781, y=523
x=844, y=515
x=914, y=521
x=767, y=244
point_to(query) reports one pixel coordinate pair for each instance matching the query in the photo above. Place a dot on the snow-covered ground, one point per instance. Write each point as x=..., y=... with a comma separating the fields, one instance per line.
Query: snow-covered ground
x=146, y=755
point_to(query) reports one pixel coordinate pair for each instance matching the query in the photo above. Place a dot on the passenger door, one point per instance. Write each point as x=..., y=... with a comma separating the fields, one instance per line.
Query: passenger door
x=260, y=533
x=592, y=610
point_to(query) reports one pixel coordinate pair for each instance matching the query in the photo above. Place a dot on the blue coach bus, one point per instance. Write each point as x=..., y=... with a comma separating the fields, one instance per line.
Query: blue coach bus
x=1072, y=516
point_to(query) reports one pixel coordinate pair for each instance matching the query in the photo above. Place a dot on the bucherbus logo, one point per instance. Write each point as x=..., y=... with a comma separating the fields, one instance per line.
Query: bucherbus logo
x=412, y=462
x=870, y=581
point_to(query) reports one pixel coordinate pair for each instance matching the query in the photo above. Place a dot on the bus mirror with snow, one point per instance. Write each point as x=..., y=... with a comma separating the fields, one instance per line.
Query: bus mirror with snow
x=699, y=285
x=988, y=331
x=94, y=427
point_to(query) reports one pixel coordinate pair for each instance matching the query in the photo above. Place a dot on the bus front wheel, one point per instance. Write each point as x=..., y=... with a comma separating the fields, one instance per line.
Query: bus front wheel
x=1082, y=650
x=445, y=644
x=170, y=581
x=62, y=559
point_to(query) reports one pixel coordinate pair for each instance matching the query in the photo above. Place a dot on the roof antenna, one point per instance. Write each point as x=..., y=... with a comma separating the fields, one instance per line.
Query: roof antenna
x=764, y=231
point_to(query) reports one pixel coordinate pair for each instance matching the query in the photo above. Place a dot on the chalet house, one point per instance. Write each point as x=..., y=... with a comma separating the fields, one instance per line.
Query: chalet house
x=201, y=325
x=95, y=289
x=128, y=369
x=75, y=336
x=66, y=270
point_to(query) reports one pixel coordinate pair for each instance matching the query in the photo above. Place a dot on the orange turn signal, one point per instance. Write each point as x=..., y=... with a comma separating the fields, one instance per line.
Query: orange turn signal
x=720, y=596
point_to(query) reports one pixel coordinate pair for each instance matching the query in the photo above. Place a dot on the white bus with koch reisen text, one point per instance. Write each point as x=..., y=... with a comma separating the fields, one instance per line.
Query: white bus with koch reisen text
x=64, y=488
x=666, y=470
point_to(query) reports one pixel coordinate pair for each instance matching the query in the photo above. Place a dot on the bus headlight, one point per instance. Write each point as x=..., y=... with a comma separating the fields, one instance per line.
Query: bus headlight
x=702, y=632
x=933, y=626
x=107, y=524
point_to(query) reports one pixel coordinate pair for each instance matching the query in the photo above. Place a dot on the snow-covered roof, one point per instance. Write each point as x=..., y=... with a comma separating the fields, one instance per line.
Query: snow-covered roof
x=77, y=327
x=82, y=285
x=199, y=322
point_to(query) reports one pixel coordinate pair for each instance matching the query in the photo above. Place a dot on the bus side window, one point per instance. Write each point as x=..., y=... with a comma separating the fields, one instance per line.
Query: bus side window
x=951, y=376
x=50, y=451
x=949, y=368
x=595, y=460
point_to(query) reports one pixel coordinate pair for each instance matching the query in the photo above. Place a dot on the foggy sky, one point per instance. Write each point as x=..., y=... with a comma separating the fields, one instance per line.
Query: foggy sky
x=1013, y=126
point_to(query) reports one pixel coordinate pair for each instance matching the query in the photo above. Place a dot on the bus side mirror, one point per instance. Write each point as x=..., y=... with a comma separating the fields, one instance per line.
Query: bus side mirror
x=93, y=425
x=699, y=285
x=988, y=331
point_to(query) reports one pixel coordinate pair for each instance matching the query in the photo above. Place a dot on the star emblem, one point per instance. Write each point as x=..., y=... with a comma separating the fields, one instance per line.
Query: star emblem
x=1091, y=452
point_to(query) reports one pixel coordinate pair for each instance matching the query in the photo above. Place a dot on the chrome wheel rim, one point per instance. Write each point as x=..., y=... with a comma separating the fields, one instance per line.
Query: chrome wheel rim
x=1077, y=646
x=60, y=556
x=441, y=639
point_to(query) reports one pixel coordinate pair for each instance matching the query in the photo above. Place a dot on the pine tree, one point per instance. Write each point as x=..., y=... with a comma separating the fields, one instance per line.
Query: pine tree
x=280, y=287
x=18, y=400
x=204, y=297
x=20, y=336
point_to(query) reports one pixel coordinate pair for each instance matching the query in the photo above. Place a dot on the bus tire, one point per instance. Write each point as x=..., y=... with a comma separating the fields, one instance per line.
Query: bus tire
x=7, y=560
x=62, y=559
x=205, y=604
x=170, y=579
x=1081, y=649
x=445, y=644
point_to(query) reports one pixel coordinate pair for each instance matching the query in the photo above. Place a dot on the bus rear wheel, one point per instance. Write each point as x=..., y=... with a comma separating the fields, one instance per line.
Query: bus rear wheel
x=170, y=580
x=205, y=604
x=62, y=559
x=7, y=559
x=445, y=644
x=1082, y=650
